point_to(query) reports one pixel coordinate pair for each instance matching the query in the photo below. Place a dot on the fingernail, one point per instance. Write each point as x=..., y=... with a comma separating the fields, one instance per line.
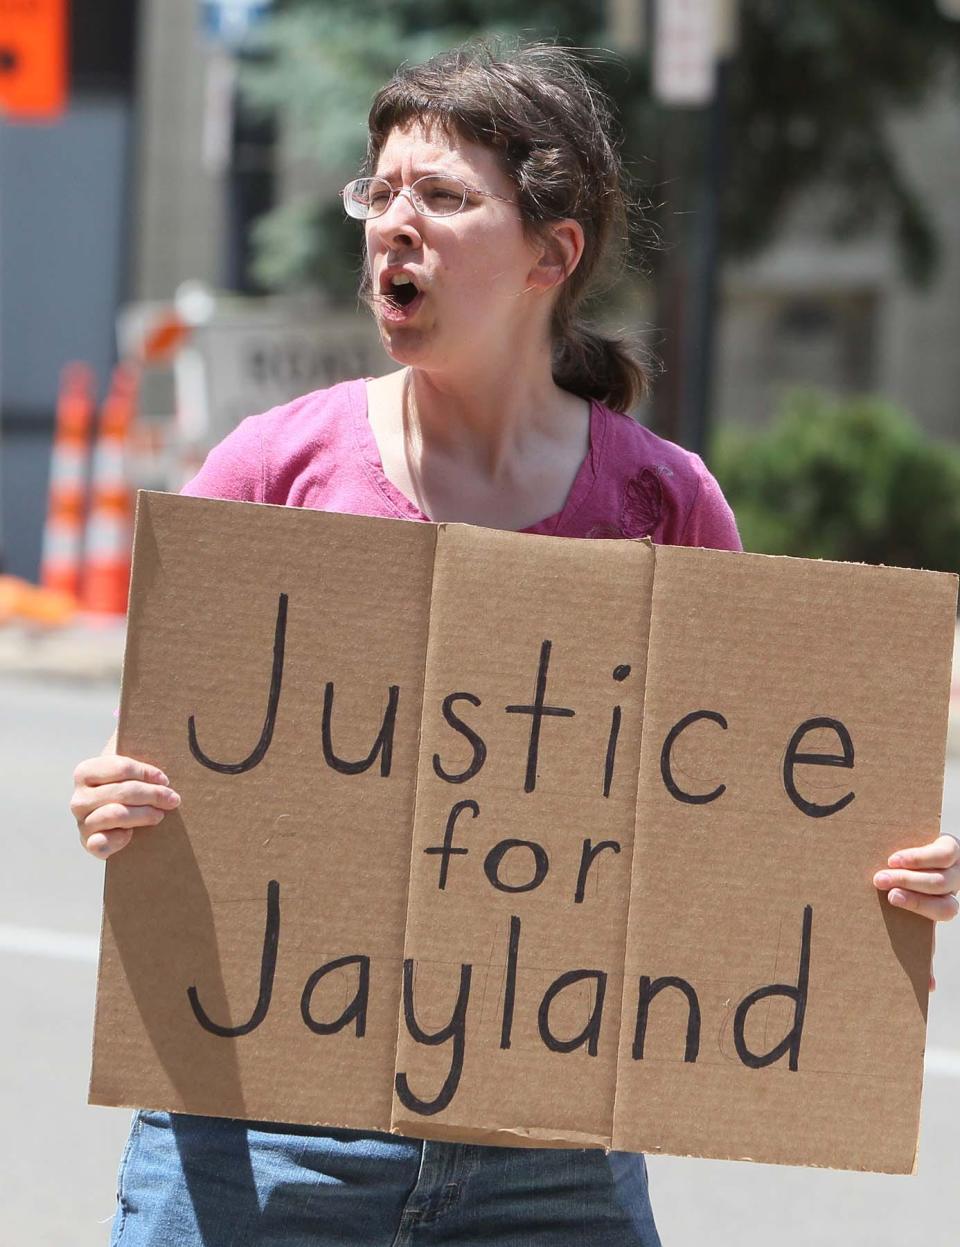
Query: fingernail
x=173, y=797
x=162, y=778
x=882, y=879
x=896, y=897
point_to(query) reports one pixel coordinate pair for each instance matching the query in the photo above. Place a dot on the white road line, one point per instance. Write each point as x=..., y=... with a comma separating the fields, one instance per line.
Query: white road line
x=942, y=1062
x=39, y=942
x=64, y=946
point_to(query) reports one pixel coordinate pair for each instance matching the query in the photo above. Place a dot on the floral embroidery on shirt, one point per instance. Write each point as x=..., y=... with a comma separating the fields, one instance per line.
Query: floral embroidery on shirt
x=643, y=502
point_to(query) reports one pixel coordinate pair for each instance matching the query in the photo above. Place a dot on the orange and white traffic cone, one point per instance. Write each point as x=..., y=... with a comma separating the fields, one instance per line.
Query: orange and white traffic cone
x=106, y=575
x=67, y=497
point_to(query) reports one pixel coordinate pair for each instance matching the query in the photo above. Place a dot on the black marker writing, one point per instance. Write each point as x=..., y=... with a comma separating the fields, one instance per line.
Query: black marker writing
x=673, y=787
x=356, y=1010
x=476, y=742
x=538, y=710
x=382, y=746
x=791, y=1041
x=541, y=864
x=589, y=852
x=273, y=701
x=268, y=966
x=446, y=850
x=619, y=673
x=651, y=988
x=455, y=1030
x=590, y=1034
x=510, y=986
x=792, y=758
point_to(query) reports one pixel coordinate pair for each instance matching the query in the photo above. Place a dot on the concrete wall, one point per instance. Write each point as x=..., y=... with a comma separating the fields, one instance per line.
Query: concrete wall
x=179, y=201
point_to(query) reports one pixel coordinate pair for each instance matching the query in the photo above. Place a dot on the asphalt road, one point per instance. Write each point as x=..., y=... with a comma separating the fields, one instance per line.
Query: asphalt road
x=58, y=1156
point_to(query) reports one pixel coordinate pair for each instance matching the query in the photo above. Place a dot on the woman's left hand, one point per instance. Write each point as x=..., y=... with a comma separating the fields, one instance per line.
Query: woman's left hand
x=924, y=879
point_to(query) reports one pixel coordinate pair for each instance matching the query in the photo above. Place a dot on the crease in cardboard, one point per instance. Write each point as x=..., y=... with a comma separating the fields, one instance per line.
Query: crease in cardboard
x=439, y=534
x=637, y=832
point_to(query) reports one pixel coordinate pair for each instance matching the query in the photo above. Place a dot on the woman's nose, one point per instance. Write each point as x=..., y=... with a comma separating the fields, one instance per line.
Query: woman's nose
x=400, y=224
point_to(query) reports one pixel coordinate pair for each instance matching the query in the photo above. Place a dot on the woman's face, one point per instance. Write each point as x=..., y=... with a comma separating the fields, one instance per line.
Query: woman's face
x=472, y=270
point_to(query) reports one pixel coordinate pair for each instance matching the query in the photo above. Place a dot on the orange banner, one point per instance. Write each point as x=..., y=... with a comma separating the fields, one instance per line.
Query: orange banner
x=33, y=59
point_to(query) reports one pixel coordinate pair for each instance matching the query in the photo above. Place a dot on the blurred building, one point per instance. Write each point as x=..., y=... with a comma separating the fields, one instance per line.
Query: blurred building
x=65, y=190
x=152, y=179
x=841, y=315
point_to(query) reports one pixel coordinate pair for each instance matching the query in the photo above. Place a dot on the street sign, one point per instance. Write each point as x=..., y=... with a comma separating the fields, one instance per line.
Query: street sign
x=684, y=53
x=33, y=59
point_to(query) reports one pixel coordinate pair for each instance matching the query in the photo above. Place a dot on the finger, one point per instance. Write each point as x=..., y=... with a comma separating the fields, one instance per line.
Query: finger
x=936, y=908
x=102, y=843
x=939, y=854
x=112, y=768
x=111, y=817
x=130, y=792
x=933, y=882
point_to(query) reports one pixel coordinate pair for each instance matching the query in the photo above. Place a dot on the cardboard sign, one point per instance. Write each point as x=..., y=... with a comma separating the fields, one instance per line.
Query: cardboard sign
x=509, y=839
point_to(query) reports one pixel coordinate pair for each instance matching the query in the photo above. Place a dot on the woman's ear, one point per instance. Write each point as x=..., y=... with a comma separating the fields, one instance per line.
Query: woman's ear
x=561, y=250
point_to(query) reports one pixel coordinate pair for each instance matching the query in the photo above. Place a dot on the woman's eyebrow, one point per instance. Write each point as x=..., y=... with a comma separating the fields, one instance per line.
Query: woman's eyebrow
x=423, y=171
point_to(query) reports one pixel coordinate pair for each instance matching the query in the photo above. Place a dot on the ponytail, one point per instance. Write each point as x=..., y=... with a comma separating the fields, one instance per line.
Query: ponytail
x=593, y=366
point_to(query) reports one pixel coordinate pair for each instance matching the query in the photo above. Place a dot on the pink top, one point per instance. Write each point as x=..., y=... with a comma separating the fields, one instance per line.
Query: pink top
x=319, y=451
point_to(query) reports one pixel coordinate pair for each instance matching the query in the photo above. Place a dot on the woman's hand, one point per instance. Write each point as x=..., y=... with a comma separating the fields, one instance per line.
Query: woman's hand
x=924, y=879
x=115, y=795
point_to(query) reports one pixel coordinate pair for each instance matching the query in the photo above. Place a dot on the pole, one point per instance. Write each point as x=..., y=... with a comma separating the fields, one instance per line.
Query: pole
x=701, y=328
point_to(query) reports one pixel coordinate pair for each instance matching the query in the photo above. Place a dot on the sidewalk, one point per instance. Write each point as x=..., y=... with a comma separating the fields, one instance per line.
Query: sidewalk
x=92, y=649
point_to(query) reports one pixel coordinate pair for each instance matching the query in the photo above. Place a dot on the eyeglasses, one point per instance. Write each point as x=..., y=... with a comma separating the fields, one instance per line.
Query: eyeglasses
x=433, y=195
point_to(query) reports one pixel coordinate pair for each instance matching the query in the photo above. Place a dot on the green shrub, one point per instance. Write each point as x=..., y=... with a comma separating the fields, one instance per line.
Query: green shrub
x=849, y=479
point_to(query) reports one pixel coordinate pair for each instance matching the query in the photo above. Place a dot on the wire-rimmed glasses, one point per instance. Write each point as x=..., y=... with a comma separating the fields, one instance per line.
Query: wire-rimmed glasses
x=433, y=195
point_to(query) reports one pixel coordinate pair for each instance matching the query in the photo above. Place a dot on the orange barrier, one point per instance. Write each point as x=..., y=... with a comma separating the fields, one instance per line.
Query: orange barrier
x=24, y=603
x=106, y=578
x=63, y=531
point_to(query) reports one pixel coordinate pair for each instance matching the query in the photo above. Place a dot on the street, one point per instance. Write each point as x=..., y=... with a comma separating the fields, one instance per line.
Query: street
x=59, y=1156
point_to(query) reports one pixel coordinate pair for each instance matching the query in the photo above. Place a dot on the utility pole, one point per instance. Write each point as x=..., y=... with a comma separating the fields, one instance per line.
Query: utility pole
x=691, y=43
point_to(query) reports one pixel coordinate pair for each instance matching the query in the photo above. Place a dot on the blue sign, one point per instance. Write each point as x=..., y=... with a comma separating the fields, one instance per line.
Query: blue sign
x=229, y=21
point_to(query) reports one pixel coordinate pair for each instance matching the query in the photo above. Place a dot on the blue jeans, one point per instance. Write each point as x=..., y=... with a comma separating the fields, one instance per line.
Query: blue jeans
x=209, y=1182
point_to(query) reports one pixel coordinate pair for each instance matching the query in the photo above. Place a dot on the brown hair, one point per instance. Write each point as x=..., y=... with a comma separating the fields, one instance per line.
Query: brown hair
x=551, y=126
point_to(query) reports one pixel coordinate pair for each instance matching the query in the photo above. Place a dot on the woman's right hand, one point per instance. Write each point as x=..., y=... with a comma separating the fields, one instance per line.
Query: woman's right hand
x=114, y=795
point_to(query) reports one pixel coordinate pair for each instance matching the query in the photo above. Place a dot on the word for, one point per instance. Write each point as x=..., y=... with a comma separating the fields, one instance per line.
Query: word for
x=538, y=710
x=454, y=1032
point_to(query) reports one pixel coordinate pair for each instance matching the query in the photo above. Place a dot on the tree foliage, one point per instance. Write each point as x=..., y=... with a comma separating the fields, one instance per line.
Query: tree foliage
x=810, y=92
x=853, y=480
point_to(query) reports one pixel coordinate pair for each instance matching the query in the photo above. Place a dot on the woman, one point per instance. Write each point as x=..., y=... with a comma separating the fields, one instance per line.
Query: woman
x=492, y=199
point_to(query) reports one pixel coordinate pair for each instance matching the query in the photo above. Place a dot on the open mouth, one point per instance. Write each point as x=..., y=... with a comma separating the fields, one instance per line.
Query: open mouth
x=402, y=291
x=398, y=293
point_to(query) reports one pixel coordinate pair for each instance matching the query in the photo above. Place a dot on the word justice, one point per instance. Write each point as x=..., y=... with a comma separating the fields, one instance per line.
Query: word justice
x=538, y=709
x=455, y=1032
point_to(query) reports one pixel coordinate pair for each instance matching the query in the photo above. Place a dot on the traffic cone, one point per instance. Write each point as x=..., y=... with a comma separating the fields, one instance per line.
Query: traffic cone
x=67, y=496
x=106, y=573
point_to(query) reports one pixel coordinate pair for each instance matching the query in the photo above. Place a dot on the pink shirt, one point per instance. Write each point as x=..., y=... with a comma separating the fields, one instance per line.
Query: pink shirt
x=319, y=451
